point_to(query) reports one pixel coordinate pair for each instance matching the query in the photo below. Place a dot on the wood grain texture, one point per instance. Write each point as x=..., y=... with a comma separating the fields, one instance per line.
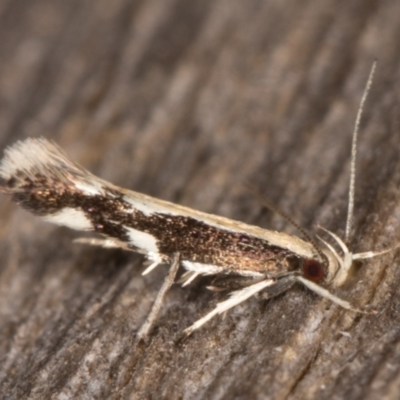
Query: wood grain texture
x=186, y=100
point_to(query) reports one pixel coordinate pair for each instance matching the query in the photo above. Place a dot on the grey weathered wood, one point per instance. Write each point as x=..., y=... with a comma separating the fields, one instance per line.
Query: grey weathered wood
x=185, y=100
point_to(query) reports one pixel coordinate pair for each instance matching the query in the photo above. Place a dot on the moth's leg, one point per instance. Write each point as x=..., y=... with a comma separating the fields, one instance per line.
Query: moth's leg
x=281, y=286
x=187, y=278
x=328, y=295
x=233, y=282
x=237, y=297
x=108, y=243
x=155, y=309
x=156, y=259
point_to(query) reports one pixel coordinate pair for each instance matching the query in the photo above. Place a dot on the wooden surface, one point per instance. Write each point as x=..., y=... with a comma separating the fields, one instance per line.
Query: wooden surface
x=186, y=100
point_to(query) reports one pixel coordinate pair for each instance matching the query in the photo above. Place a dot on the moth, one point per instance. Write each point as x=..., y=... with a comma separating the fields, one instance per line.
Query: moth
x=42, y=179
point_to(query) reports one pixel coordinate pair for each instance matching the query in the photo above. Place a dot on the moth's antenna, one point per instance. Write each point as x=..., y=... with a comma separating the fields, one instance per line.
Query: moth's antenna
x=276, y=210
x=350, y=209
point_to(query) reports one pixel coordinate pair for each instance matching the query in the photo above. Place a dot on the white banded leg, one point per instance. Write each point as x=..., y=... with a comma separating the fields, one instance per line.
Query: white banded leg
x=236, y=297
x=328, y=295
x=108, y=243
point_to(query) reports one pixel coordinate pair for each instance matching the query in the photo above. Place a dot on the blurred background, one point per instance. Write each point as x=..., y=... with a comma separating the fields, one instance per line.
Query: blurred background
x=186, y=100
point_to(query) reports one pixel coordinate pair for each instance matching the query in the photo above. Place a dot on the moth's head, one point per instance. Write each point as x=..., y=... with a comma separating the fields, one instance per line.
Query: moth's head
x=340, y=265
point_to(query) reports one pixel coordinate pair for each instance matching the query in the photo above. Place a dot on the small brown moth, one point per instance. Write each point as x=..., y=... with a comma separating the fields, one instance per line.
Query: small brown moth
x=42, y=179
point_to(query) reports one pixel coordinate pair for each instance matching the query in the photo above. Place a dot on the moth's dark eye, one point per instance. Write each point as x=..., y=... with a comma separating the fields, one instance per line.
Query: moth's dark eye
x=313, y=271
